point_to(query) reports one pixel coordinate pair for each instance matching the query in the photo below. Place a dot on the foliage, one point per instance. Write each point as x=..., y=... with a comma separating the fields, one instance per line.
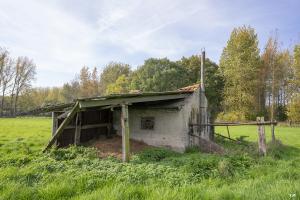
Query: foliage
x=121, y=85
x=233, y=116
x=159, y=75
x=294, y=109
x=111, y=73
x=16, y=77
x=155, y=154
x=296, y=67
x=213, y=81
x=239, y=64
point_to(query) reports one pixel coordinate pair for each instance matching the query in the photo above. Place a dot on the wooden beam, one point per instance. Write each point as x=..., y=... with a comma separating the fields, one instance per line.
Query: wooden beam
x=62, y=126
x=236, y=124
x=120, y=101
x=54, y=122
x=89, y=126
x=77, y=129
x=125, y=133
x=63, y=115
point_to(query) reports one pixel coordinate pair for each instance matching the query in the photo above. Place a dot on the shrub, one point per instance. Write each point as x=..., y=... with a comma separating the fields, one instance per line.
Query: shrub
x=231, y=116
x=155, y=154
x=192, y=149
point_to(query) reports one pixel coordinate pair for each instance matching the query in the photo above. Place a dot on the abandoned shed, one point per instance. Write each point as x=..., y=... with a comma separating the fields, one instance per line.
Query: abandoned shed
x=160, y=119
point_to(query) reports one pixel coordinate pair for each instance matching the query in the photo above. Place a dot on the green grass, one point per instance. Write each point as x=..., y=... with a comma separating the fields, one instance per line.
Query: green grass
x=77, y=173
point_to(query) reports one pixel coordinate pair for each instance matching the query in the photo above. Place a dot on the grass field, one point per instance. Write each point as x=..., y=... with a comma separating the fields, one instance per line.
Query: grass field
x=77, y=173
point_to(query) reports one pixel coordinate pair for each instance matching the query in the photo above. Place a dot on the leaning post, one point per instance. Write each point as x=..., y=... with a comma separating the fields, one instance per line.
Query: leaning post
x=262, y=147
x=125, y=133
x=54, y=122
x=77, y=129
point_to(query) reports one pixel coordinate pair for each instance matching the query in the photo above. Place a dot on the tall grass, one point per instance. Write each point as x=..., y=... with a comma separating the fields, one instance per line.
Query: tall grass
x=77, y=172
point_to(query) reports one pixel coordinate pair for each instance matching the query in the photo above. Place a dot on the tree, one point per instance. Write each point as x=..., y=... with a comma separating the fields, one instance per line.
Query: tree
x=95, y=82
x=213, y=81
x=277, y=77
x=122, y=85
x=157, y=75
x=71, y=91
x=111, y=73
x=6, y=75
x=294, y=109
x=24, y=71
x=239, y=65
x=296, y=68
x=85, y=82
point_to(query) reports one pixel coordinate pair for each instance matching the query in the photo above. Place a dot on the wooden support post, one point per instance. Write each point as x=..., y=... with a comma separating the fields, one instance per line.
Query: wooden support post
x=262, y=147
x=125, y=133
x=228, y=132
x=54, y=122
x=77, y=129
x=62, y=126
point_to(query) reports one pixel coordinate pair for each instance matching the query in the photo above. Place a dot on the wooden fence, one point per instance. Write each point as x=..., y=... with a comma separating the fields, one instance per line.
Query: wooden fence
x=260, y=123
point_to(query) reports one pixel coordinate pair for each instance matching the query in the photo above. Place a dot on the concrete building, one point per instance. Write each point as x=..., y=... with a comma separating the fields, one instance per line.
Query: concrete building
x=163, y=119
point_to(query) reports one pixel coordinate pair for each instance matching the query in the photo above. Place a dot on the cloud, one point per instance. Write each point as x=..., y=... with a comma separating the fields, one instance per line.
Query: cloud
x=63, y=35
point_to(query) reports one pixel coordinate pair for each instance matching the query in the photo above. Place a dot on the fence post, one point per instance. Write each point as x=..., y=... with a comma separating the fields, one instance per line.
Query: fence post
x=262, y=147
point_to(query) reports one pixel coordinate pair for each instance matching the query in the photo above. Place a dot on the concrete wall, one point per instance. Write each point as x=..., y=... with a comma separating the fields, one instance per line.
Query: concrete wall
x=167, y=132
x=171, y=128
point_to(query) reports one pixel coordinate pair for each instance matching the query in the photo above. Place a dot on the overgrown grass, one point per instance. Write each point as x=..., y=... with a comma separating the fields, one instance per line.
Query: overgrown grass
x=77, y=173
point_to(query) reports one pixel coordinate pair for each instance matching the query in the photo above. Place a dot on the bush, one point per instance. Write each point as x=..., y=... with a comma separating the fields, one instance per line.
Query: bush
x=192, y=149
x=231, y=116
x=155, y=154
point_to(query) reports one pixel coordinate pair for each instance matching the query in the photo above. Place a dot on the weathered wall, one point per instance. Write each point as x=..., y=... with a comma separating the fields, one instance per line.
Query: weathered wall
x=167, y=132
x=171, y=127
x=191, y=116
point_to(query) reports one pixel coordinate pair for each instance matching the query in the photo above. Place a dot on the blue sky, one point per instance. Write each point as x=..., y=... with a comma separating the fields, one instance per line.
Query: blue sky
x=63, y=35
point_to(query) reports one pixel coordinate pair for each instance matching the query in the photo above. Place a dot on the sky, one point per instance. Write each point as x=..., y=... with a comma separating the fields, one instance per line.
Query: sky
x=61, y=36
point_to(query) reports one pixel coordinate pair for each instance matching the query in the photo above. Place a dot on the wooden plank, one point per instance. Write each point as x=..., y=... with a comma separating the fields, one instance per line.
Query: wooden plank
x=120, y=101
x=125, y=133
x=63, y=115
x=77, y=129
x=54, y=122
x=62, y=126
x=262, y=147
x=236, y=124
x=89, y=126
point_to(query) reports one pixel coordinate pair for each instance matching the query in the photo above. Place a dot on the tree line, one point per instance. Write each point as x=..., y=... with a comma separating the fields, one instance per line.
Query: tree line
x=259, y=84
x=248, y=82
x=16, y=76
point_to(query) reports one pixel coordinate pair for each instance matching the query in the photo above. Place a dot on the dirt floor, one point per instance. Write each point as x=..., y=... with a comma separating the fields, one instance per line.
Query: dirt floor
x=113, y=146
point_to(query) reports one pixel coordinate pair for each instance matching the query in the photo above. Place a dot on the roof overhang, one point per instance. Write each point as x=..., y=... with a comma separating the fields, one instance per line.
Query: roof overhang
x=88, y=103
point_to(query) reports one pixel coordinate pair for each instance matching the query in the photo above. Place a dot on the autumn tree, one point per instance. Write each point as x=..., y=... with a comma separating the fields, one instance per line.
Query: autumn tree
x=239, y=65
x=71, y=91
x=296, y=68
